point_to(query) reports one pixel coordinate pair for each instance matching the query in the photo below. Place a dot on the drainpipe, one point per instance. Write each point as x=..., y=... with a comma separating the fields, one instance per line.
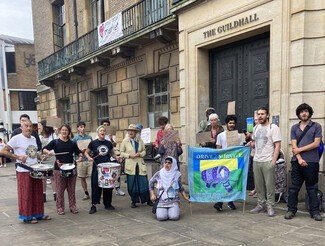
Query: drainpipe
x=75, y=18
x=77, y=47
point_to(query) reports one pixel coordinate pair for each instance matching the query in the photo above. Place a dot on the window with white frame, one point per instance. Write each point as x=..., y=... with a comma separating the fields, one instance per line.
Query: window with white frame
x=158, y=99
x=11, y=62
x=102, y=106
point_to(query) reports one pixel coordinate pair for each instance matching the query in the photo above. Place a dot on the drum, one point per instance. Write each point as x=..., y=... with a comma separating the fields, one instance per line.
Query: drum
x=41, y=171
x=108, y=174
x=68, y=170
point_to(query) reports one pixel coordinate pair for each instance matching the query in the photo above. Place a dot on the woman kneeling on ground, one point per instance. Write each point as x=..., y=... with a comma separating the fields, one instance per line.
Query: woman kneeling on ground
x=169, y=186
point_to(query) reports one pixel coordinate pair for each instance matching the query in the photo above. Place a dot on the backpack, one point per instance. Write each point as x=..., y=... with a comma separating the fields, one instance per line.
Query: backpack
x=320, y=199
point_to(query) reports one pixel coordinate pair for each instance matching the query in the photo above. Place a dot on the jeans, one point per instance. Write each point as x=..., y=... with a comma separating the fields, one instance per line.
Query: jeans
x=300, y=174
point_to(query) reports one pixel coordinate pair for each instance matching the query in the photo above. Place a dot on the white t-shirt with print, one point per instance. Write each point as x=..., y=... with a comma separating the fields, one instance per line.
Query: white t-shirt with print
x=265, y=137
x=222, y=139
x=24, y=146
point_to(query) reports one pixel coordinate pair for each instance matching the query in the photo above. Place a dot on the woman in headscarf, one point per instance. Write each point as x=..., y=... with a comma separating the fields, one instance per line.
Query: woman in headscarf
x=169, y=186
x=133, y=150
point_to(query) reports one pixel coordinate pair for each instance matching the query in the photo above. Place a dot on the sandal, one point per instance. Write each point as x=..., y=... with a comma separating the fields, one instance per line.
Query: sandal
x=74, y=211
x=252, y=193
x=45, y=217
x=32, y=221
x=61, y=212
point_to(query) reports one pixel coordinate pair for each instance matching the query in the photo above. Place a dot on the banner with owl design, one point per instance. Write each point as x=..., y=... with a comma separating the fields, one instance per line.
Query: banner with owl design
x=218, y=175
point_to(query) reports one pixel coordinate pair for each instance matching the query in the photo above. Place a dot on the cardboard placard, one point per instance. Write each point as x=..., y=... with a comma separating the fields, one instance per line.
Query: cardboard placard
x=53, y=121
x=232, y=138
x=170, y=136
x=203, y=137
x=111, y=130
x=231, y=110
x=83, y=144
x=146, y=135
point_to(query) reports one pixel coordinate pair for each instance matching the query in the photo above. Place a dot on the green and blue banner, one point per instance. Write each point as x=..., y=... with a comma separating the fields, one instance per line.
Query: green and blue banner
x=218, y=175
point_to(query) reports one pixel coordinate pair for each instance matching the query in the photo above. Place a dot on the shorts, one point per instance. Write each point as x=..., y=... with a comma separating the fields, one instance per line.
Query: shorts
x=84, y=169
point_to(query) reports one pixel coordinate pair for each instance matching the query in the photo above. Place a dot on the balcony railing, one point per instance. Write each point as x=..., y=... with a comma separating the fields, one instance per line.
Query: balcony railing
x=135, y=18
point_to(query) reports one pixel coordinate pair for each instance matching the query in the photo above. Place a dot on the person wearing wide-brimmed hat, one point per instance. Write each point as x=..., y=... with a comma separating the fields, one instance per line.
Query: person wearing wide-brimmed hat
x=133, y=150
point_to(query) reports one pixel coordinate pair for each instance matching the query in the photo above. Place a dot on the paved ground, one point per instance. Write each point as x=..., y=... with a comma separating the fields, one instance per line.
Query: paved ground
x=126, y=226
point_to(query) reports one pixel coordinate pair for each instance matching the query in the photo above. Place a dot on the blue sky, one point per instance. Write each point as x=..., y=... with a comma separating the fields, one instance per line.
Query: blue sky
x=16, y=18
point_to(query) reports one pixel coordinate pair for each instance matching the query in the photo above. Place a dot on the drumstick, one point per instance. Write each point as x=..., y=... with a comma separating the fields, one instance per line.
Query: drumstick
x=61, y=153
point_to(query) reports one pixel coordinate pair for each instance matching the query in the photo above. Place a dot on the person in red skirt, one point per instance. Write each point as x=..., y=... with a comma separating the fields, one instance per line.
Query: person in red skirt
x=30, y=190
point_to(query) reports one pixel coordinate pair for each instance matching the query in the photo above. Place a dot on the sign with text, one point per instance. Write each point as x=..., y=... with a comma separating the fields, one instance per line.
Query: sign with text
x=232, y=138
x=170, y=136
x=83, y=144
x=110, y=30
x=110, y=130
x=146, y=135
x=203, y=137
x=53, y=121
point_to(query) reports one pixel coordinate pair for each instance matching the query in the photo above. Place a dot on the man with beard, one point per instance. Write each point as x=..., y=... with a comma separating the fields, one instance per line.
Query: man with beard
x=305, y=138
x=267, y=140
x=231, y=121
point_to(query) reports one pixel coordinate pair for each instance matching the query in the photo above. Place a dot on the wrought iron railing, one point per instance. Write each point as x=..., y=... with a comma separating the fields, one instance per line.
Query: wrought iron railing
x=134, y=18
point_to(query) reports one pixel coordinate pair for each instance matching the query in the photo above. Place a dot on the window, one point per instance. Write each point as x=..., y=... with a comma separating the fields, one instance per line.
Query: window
x=11, y=62
x=66, y=110
x=102, y=106
x=59, y=28
x=26, y=100
x=158, y=99
x=97, y=12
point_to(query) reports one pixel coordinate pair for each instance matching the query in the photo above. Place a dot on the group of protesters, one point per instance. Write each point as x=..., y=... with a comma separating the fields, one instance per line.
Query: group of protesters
x=58, y=148
x=265, y=143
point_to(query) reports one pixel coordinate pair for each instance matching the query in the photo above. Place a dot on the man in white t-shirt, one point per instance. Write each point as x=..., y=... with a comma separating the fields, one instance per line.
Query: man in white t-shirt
x=221, y=143
x=267, y=140
x=30, y=190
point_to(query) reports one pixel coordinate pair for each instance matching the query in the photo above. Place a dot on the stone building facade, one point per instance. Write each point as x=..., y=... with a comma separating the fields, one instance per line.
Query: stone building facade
x=18, y=81
x=254, y=52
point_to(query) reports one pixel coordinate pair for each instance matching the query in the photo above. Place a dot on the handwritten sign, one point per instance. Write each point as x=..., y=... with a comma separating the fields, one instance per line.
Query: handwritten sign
x=83, y=144
x=203, y=137
x=231, y=109
x=232, y=138
x=53, y=121
x=110, y=130
x=146, y=135
x=170, y=136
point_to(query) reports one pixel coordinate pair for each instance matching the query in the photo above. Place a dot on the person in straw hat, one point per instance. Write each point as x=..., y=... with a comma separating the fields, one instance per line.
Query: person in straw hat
x=133, y=150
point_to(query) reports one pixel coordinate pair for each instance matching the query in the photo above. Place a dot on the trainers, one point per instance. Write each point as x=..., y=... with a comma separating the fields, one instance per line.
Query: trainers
x=218, y=206
x=110, y=207
x=270, y=211
x=86, y=197
x=4, y=165
x=257, y=209
x=1, y=165
x=317, y=217
x=119, y=192
x=231, y=205
x=92, y=209
x=289, y=215
x=54, y=197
